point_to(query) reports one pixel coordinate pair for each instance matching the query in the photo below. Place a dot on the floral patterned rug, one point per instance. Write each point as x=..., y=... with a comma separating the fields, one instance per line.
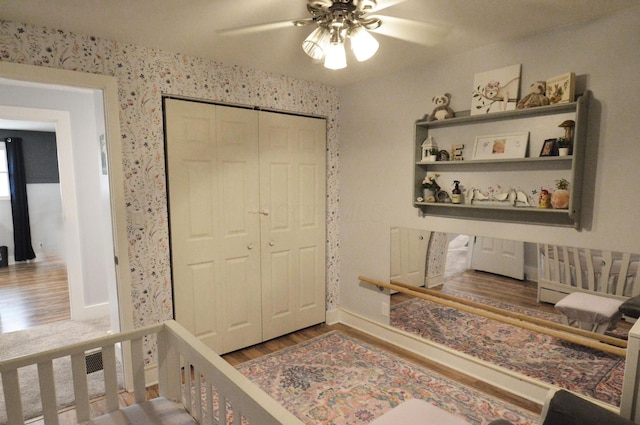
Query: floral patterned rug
x=336, y=379
x=618, y=332
x=580, y=369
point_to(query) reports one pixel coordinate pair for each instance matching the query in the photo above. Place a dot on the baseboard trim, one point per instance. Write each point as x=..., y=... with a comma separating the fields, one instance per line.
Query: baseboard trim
x=520, y=385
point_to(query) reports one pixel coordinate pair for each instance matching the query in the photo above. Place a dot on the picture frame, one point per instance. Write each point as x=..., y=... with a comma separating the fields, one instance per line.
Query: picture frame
x=443, y=155
x=501, y=146
x=561, y=88
x=549, y=148
x=496, y=90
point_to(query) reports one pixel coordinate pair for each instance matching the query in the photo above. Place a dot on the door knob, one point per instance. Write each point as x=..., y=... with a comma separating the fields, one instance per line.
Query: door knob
x=271, y=243
x=250, y=246
x=264, y=212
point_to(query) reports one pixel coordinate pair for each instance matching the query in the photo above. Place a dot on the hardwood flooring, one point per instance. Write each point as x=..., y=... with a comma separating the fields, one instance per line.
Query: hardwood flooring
x=33, y=294
x=479, y=283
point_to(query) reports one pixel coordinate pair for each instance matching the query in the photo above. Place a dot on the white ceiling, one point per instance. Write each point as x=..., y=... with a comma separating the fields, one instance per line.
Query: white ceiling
x=189, y=27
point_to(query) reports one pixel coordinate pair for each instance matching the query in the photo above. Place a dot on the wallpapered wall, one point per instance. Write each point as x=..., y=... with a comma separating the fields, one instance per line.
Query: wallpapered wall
x=143, y=76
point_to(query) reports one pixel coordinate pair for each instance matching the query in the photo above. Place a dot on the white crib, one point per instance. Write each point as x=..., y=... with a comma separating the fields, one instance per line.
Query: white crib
x=563, y=270
x=185, y=398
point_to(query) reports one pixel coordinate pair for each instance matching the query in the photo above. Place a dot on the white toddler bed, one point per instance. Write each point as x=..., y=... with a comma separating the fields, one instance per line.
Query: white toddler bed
x=563, y=270
x=223, y=390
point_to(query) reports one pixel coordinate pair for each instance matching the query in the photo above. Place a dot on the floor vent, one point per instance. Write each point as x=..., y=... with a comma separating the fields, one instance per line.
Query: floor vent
x=94, y=361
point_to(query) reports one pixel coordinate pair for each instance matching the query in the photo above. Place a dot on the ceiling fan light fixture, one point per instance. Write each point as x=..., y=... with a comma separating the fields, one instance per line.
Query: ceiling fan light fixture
x=363, y=44
x=315, y=45
x=336, y=58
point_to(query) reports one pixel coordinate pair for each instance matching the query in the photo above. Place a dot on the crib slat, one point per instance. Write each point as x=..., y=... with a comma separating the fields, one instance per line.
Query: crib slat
x=555, y=261
x=635, y=290
x=209, y=405
x=169, y=372
x=197, y=394
x=110, y=377
x=621, y=282
x=577, y=262
x=48, y=393
x=222, y=407
x=12, y=399
x=79, y=373
x=566, y=266
x=137, y=363
x=605, y=272
x=188, y=383
x=591, y=276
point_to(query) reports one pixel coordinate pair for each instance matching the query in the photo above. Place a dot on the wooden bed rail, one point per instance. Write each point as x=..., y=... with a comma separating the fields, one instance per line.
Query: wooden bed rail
x=592, y=340
x=212, y=381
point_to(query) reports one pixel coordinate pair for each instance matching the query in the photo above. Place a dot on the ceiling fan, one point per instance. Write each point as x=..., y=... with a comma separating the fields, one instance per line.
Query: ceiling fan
x=339, y=20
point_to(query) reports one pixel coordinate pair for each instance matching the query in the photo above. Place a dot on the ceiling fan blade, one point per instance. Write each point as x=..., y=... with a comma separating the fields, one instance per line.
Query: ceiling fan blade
x=251, y=29
x=413, y=31
x=384, y=4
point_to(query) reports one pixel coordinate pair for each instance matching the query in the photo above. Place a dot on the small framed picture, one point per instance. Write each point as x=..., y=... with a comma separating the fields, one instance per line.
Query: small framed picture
x=443, y=155
x=549, y=148
x=501, y=146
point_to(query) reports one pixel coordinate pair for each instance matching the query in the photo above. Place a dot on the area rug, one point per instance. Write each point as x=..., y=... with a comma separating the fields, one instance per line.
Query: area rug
x=618, y=332
x=336, y=379
x=574, y=367
x=45, y=337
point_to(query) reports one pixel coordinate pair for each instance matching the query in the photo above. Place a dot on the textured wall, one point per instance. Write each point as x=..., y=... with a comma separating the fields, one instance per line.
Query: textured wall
x=144, y=75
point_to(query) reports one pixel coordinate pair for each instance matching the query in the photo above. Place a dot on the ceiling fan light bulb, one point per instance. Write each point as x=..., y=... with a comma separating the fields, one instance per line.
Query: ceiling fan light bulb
x=336, y=57
x=315, y=45
x=363, y=44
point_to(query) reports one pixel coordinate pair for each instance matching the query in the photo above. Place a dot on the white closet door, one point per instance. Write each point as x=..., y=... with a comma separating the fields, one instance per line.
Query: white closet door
x=237, y=214
x=213, y=199
x=293, y=191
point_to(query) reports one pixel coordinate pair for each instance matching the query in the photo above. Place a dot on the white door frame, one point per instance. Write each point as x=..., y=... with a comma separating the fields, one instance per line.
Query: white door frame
x=120, y=297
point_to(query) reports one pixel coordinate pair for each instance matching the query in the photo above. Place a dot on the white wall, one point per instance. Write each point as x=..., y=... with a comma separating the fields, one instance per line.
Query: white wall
x=377, y=146
x=86, y=165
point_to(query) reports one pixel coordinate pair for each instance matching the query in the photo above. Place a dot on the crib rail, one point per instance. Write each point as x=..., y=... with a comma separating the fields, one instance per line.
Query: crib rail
x=214, y=381
x=563, y=270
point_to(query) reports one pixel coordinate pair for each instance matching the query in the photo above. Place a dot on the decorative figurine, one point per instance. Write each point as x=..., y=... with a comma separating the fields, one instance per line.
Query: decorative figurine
x=544, y=200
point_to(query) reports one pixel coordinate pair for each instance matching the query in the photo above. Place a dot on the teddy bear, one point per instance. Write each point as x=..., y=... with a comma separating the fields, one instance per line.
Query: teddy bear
x=442, y=109
x=535, y=97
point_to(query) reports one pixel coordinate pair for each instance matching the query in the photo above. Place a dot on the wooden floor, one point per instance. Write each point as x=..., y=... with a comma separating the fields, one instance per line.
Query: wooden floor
x=479, y=283
x=33, y=294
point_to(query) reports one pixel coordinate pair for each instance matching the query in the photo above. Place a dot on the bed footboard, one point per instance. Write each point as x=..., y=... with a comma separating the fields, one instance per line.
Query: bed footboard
x=189, y=373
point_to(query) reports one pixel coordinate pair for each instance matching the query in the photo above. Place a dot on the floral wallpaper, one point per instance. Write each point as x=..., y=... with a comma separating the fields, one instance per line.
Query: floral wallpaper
x=144, y=75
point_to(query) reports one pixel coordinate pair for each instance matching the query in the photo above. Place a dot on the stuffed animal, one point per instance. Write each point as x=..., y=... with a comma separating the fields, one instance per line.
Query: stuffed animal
x=535, y=97
x=442, y=110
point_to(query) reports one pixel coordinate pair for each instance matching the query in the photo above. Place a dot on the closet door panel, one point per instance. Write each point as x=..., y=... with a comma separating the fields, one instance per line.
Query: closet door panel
x=237, y=144
x=193, y=185
x=292, y=168
x=214, y=224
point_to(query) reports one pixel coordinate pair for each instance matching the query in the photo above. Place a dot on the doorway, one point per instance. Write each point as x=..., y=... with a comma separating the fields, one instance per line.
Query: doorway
x=27, y=91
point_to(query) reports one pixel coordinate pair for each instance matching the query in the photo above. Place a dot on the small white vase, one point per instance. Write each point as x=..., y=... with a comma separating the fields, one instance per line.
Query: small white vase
x=429, y=195
x=563, y=151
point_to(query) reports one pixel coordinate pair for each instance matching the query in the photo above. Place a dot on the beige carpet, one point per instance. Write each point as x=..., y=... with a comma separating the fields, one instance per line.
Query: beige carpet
x=46, y=337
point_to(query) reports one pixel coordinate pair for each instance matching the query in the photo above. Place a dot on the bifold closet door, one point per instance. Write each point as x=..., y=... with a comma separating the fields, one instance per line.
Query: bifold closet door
x=293, y=202
x=212, y=168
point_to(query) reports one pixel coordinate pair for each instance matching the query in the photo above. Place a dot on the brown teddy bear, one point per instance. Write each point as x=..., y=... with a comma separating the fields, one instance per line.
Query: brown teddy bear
x=535, y=97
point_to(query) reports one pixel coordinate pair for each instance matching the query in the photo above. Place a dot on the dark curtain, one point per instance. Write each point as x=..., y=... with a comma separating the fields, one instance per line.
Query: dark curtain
x=19, y=208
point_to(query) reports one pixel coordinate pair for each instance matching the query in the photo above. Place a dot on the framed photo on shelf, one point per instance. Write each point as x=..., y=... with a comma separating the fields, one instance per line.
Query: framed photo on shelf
x=443, y=155
x=501, y=146
x=561, y=88
x=549, y=148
